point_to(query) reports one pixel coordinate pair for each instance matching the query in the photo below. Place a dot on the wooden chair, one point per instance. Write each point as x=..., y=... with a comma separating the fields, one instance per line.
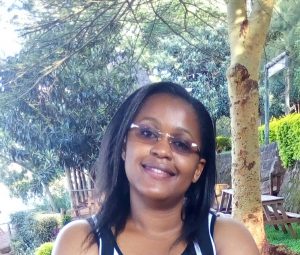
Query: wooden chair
x=218, y=193
x=275, y=183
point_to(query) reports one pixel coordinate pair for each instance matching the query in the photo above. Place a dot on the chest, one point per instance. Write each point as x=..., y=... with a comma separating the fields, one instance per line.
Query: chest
x=136, y=245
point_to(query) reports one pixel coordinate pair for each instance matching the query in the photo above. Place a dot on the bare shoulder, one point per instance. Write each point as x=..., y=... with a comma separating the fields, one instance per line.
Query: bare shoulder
x=232, y=238
x=72, y=239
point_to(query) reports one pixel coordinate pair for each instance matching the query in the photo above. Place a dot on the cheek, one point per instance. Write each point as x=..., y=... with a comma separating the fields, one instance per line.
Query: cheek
x=133, y=153
x=187, y=166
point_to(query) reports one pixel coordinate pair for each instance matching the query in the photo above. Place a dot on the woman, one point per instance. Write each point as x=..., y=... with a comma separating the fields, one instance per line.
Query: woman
x=157, y=171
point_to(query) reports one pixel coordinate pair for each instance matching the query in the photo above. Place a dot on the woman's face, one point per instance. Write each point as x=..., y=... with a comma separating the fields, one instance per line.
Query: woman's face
x=156, y=170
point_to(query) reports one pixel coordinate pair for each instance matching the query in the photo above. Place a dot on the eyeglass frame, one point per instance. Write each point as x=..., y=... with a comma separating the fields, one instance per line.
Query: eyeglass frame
x=169, y=139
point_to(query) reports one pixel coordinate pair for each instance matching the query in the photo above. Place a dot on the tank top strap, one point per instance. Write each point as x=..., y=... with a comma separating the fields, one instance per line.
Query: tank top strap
x=104, y=239
x=205, y=244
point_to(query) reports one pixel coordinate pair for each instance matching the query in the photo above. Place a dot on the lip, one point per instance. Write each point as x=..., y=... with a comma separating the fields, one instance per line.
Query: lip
x=158, y=170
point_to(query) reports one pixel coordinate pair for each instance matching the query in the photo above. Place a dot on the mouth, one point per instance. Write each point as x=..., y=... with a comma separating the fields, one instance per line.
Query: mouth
x=158, y=171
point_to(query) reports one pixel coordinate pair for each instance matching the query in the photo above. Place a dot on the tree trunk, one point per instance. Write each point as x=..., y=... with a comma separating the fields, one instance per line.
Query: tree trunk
x=75, y=182
x=247, y=34
x=49, y=197
x=70, y=186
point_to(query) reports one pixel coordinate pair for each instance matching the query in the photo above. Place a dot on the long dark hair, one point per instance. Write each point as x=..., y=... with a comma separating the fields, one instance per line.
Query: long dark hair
x=111, y=179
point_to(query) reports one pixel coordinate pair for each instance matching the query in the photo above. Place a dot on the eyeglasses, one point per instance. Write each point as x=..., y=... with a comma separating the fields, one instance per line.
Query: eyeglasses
x=149, y=135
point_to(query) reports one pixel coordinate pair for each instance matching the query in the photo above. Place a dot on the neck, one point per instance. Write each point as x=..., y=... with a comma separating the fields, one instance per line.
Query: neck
x=154, y=220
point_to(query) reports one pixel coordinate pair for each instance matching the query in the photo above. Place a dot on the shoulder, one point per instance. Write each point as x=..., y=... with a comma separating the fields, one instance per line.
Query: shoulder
x=231, y=237
x=73, y=239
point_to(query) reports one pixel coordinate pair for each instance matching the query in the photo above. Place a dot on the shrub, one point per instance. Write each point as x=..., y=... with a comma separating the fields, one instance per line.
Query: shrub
x=19, y=248
x=44, y=249
x=66, y=219
x=46, y=228
x=32, y=230
x=223, y=143
x=286, y=132
x=23, y=241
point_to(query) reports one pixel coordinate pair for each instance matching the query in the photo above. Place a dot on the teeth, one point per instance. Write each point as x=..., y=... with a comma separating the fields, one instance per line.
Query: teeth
x=158, y=171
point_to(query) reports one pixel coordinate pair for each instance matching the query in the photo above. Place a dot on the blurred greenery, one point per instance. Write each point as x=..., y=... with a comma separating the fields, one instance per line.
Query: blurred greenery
x=32, y=229
x=223, y=143
x=44, y=249
x=286, y=132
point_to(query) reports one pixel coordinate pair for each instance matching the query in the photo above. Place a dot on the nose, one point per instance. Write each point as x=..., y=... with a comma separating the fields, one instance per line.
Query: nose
x=161, y=148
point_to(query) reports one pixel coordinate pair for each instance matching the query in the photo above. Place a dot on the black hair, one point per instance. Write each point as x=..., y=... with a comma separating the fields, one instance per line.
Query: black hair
x=109, y=168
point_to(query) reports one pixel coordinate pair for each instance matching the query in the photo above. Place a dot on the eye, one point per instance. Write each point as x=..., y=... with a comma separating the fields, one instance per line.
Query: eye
x=181, y=145
x=148, y=133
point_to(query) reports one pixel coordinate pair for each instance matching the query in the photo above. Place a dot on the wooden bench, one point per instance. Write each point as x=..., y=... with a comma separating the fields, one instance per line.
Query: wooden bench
x=290, y=215
x=274, y=213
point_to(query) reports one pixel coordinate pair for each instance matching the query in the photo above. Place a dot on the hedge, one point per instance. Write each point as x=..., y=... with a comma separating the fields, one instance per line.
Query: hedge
x=286, y=132
x=44, y=249
x=223, y=143
x=31, y=230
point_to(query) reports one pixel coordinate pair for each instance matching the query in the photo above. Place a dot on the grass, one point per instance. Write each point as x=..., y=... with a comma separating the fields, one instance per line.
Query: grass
x=278, y=237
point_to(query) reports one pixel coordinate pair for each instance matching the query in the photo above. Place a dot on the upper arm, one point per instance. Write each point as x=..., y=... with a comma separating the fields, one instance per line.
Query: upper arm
x=232, y=238
x=73, y=240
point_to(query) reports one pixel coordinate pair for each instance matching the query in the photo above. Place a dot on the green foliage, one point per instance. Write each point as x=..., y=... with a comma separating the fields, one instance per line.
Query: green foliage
x=80, y=60
x=18, y=248
x=286, y=132
x=279, y=237
x=60, y=196
x=32, y=230
x=60, y=123
x=283, y=36
x=223, y=126
x=201, y=68
x=44, y=249
x=24, y=238
x=66, y=219
x=46, y=228
x=223, y=143
x=273, y=126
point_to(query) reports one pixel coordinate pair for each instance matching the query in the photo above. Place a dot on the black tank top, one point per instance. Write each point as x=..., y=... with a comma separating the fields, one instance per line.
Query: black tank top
x=204, y=246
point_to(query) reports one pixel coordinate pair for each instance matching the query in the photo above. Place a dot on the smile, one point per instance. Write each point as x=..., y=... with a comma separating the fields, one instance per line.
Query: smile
x=158, y=172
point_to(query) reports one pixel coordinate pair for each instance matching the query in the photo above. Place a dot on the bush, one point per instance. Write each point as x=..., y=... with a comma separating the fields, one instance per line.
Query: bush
x=19, y=248
x=46, y=228
x=286, y=132
x=23, y=241
x=32, y=230
x=44, y=249
x=66, y=219
x=223, y=143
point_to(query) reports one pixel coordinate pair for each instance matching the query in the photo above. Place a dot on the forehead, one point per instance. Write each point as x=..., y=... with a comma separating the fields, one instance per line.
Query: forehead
x=170, y=112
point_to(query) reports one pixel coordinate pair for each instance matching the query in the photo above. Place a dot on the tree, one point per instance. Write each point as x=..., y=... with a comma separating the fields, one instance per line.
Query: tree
x=284, y=37
x=247, y=35
x=78, y=60
x=200, y=68
x=130, y=29
x=63, y=116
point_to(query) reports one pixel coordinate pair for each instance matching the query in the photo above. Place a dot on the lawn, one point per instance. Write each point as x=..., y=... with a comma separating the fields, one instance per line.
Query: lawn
x=278, y=237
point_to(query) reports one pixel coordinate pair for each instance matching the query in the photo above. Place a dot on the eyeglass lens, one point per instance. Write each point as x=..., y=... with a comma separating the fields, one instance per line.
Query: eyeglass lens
x=150, y=135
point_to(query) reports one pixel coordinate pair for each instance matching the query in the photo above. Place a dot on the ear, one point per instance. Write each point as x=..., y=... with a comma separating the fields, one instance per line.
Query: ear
x=123, y=155
x=199, y=170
